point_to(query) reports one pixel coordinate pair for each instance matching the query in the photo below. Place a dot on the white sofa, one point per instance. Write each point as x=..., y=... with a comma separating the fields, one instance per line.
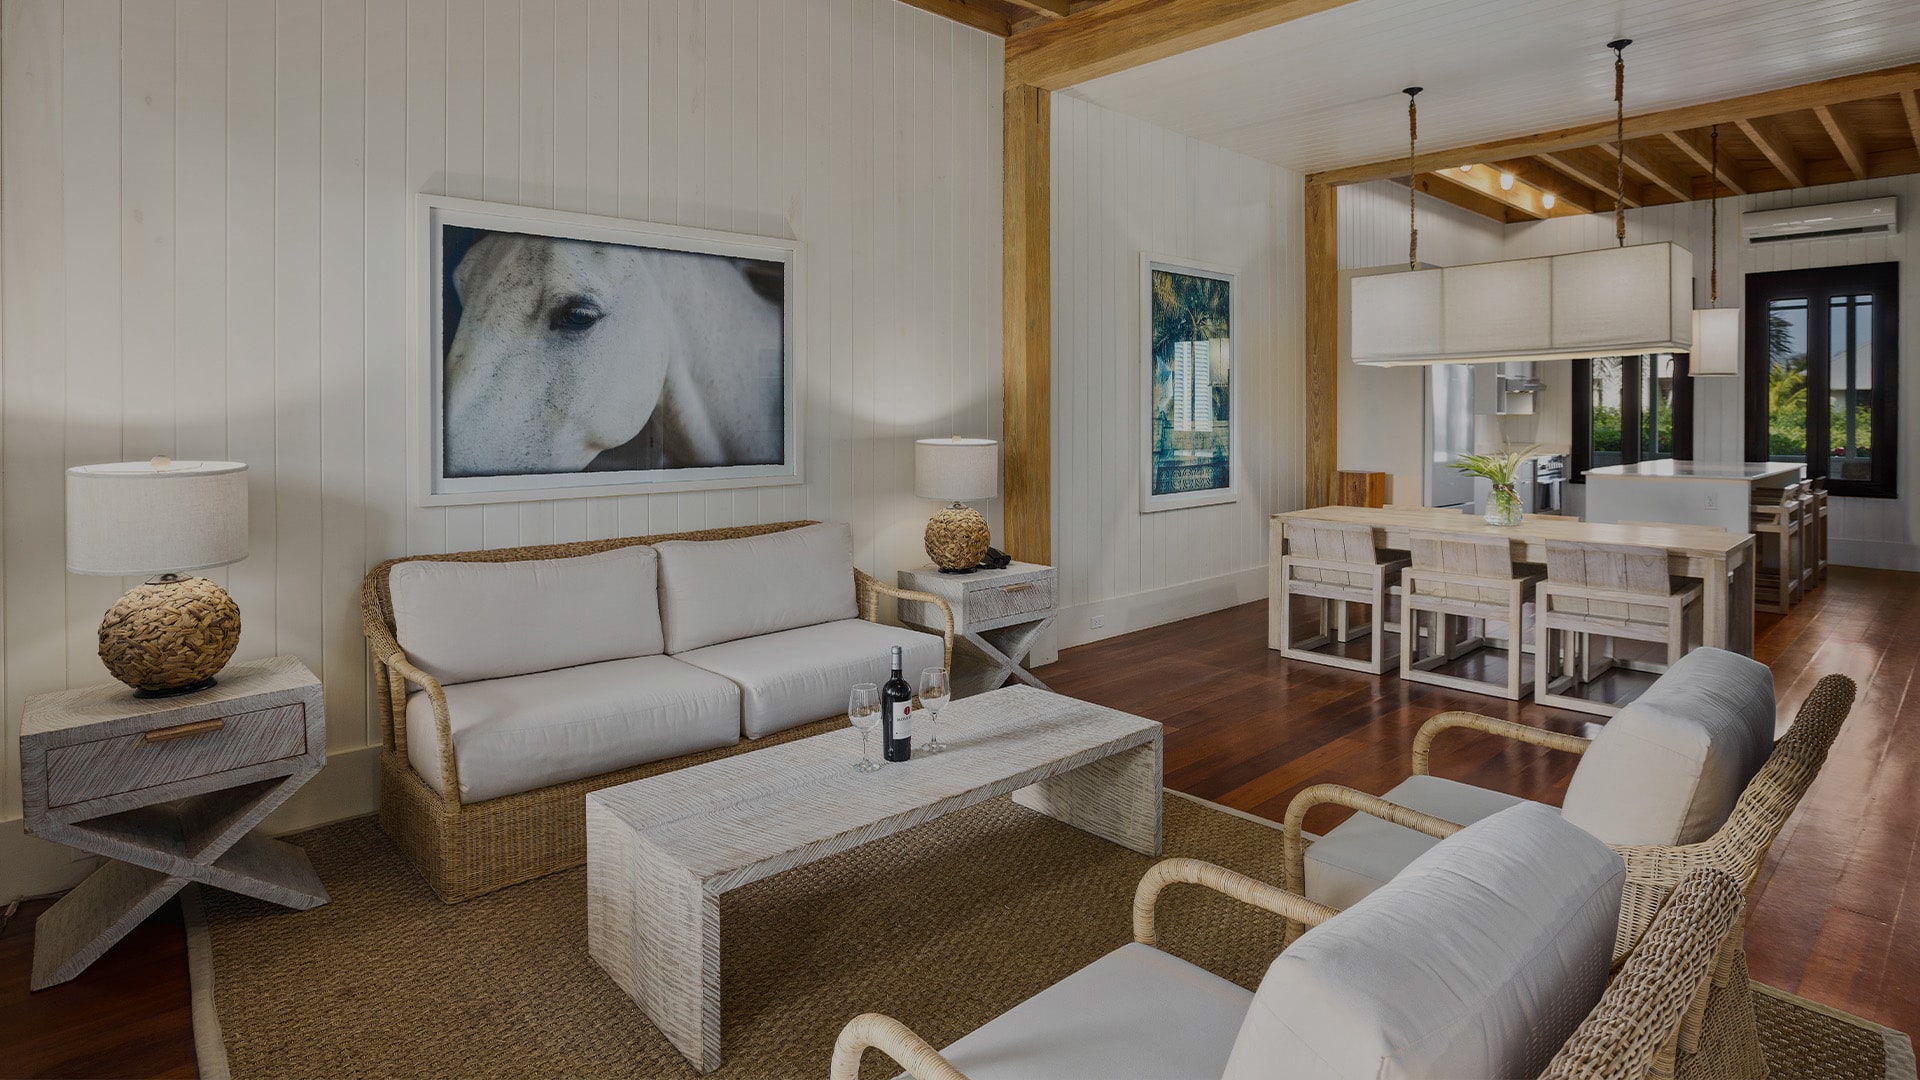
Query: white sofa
x=510, y=683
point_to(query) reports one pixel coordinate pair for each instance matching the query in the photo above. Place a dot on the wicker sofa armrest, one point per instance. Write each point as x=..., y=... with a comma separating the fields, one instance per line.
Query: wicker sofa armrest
x=1639, y=1019
x=894, y=1039
x=870, y=589
x=1294, y=842
x=401, y=673
x=1526, y=733
x=1292, y=905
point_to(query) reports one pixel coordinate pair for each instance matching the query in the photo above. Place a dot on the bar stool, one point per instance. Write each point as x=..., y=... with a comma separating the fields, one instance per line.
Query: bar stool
x=1606, y=591
x=1820, y=525
x=1813, y=530
x=1469, y=579
x=1778, y=530
x=1337, y=564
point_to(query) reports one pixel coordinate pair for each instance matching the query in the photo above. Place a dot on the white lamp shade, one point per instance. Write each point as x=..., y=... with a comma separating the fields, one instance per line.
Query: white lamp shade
x=1716, y=342
x=162, y=517
x=956, y=469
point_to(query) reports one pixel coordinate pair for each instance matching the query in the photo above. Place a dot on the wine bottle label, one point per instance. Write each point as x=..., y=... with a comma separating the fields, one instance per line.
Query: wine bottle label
x=903, y=720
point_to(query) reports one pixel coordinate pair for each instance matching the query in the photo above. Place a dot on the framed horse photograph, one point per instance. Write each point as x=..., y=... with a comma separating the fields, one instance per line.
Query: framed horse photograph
x=566, y=355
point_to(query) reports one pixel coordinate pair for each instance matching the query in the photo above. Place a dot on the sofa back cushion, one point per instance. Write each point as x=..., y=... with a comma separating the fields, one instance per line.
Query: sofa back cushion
x=724, y=590
x=465, y=621
x=1479, y=959
x=1668, y=768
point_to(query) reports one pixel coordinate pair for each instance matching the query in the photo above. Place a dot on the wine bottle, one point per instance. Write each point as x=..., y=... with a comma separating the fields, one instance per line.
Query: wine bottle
x=896, y=715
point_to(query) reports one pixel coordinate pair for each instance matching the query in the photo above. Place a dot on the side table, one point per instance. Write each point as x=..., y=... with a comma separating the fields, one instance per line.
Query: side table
x=999, y=614
x=170, y=789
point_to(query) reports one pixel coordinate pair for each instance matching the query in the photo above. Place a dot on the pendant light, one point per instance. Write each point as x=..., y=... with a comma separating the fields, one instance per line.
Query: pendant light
x=1716, y=330
x=1618, y=300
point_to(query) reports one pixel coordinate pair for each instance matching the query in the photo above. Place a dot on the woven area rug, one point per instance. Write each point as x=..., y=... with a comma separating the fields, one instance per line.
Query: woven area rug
x=944, y=926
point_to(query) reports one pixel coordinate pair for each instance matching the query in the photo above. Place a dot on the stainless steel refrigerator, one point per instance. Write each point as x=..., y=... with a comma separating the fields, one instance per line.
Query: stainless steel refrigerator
x=1449, y=435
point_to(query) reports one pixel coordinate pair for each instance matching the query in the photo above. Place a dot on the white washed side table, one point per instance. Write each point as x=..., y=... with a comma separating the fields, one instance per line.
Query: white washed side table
x=1000, y=614
x=170, y=789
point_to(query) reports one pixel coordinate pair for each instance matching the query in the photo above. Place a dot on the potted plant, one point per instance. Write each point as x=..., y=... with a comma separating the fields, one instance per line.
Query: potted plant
x=1503, y=506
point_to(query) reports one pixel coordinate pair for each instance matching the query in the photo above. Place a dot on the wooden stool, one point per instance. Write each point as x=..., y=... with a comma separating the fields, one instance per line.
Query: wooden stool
x=1816, y=530
x=1337, y=565
x=1776, y=573
x=1457, y=577
x=1607, y=591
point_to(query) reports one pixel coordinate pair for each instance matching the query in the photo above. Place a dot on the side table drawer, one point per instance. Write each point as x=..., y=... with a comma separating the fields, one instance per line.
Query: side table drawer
x=146, y=759
x=1014, y=598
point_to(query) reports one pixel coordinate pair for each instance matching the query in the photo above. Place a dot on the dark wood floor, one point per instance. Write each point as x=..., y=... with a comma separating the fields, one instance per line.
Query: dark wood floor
x=1837, y=918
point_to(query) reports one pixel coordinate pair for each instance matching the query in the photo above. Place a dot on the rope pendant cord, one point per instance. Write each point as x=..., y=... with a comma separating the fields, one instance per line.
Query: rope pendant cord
x=1413, y=191
x=1620, y=139
x=1713, y=179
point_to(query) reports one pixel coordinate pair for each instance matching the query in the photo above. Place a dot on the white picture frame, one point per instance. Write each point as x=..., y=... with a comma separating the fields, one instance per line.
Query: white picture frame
x=1170, y=425
x=508, y=469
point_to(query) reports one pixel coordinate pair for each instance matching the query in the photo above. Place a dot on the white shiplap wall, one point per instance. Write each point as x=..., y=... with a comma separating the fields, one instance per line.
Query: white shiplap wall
x=1382, y=413
x=1863, y=532
x=1121, y=186
x=206, y=212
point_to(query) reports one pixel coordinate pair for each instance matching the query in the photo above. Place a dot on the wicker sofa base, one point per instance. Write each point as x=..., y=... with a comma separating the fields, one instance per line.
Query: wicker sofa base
x=471, y=850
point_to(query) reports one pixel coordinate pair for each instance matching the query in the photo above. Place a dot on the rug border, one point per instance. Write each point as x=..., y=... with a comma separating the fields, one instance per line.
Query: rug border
x=209, y=1041
x=1897, y=1045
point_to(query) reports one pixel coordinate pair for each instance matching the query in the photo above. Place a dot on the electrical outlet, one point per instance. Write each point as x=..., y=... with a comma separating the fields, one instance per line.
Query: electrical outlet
x=1713, y=502
x=1096, y=622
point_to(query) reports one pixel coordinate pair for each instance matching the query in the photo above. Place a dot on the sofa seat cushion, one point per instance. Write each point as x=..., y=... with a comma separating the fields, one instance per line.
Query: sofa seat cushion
x=1668, y=767
x=464, y=621
x=798, y=676
x=1134, y=1014
x=1480, y=959
x=1363, y=852
x=533, y=731
x=723, y=590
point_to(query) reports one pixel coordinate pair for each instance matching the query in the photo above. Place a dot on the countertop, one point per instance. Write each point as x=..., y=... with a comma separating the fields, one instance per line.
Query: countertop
x=1669, y=469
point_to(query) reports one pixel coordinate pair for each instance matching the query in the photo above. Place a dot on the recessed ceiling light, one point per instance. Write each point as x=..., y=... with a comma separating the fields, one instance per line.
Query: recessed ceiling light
x=1466, y=168
x=1547, y=200
x=1506, y=181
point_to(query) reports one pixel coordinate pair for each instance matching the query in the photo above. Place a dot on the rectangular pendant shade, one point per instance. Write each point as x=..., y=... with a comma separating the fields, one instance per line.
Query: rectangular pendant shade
x=1716, y=342
x=1589, y=303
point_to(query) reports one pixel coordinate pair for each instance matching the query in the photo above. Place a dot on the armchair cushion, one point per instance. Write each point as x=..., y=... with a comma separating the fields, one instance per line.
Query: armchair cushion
x=1134, y=1014
x=724, y=590
x=533, y=731
x=464, y=621
x=797, y=676
x=1363, y=852
x=1669, y=767
x=1479, y=959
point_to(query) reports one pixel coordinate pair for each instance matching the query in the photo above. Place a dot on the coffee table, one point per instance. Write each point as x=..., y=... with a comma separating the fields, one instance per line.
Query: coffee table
x=661, y=850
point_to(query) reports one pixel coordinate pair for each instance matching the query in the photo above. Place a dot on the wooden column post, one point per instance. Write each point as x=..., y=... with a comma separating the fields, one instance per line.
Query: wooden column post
x=1321, y=243
x=1026, y=446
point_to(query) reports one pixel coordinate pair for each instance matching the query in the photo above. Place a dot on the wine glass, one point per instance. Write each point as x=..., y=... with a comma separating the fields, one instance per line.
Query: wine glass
x=934, y=692
x=863, y=709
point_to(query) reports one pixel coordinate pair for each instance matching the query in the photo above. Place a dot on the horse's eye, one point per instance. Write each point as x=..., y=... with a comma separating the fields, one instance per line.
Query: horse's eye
x=576, y=314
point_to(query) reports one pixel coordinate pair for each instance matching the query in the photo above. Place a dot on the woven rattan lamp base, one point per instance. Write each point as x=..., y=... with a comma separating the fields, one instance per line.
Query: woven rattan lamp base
x=170, y=635
x=957, y=538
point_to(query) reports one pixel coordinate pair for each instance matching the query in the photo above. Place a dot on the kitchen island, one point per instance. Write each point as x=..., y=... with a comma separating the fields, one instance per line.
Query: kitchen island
x=1684, y=492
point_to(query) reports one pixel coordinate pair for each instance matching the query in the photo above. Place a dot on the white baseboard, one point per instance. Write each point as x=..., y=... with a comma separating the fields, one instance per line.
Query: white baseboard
x=1875, y=554
x=1125, y=614
x=348, y=787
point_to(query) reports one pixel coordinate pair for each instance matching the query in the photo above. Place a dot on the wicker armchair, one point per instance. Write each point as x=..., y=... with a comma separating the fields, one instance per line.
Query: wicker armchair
x=1634, y=1026
x=469, y=849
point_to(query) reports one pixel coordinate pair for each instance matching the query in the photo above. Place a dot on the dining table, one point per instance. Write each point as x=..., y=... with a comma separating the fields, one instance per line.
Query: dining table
x=1723, y=561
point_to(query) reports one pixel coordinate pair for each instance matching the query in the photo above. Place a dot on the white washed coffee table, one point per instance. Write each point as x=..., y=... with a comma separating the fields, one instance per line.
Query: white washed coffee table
x=661, y=850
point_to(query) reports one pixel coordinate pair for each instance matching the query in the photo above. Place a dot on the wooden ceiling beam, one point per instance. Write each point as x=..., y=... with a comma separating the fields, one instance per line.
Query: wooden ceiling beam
x=1046, y=9
x=1122, y=34
x=1719, y=166
x=1771, y=143
x=1586, y=166
x=1910, y=102
x=1485, y=180
x=1566, y=191
x=1670, y=179
x=1845, y=139
x=1465, y=198
x=966, y=13
x=1882, y=83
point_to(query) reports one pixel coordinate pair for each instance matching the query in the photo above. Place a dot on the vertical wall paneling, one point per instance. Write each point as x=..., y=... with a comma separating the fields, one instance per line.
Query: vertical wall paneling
x=207, y=226
x=1122, y=187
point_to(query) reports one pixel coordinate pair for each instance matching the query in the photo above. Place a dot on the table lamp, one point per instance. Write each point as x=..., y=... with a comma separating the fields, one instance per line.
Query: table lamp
x=956, y=470
x=171, y=634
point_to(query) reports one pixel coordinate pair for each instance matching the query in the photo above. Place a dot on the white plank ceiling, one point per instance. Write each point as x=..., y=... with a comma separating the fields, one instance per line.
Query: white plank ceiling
x=1324, y=91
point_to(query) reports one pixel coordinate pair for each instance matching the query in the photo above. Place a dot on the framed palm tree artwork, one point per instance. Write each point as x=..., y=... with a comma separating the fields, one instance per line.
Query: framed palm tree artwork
x=1188, y=313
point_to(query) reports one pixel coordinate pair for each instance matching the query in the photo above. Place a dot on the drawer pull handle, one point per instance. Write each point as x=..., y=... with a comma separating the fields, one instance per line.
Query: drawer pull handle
x=199, y=727
x=1018, y=587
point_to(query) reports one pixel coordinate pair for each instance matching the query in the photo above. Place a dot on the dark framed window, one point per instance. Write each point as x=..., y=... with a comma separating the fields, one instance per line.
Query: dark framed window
x=1822, y=374
x=1629, y=409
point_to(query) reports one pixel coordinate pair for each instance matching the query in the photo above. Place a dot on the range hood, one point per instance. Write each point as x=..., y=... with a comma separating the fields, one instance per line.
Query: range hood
x=1611, y=301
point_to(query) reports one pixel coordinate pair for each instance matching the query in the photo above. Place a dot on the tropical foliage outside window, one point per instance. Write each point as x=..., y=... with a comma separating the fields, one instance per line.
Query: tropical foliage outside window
x=1629, y=409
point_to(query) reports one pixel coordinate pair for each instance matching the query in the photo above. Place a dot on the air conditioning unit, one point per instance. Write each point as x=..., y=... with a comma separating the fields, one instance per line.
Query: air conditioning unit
x=1869, y=217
